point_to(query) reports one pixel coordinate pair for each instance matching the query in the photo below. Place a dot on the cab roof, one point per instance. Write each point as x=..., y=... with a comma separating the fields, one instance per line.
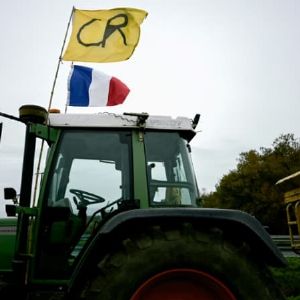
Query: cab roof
x=127, y=120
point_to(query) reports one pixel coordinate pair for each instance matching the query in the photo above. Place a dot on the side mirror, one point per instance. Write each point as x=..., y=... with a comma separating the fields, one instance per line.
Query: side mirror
x=10, y=193
x=11, y=210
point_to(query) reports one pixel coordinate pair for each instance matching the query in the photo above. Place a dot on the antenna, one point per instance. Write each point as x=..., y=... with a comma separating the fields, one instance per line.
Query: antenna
x=195, y=121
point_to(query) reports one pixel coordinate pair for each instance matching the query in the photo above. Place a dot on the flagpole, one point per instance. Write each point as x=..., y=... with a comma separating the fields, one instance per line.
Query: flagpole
x=60, y=59
x=50, y=102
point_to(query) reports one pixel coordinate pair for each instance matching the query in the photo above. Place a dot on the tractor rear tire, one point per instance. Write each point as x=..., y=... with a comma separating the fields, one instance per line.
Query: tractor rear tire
x=181, y=264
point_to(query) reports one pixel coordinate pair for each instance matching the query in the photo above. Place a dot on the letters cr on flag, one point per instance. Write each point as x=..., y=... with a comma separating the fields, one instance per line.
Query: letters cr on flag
x=88, y=87
x=104, y=35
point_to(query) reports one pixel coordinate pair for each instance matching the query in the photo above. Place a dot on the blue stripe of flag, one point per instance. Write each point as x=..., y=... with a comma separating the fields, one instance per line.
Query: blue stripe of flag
x=79, y=85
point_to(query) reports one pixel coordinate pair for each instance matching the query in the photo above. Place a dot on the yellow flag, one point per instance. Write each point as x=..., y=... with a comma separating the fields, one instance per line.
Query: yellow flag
x=104, y=35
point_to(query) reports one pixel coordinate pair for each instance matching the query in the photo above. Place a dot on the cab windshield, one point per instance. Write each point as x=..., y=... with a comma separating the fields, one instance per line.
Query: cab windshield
x=93, y=169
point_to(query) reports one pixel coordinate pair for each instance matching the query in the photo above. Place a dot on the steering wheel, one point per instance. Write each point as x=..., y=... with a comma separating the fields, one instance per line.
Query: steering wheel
x=85, y=198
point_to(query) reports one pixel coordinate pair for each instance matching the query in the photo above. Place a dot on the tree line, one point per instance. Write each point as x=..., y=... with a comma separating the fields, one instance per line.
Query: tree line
x=251, y=186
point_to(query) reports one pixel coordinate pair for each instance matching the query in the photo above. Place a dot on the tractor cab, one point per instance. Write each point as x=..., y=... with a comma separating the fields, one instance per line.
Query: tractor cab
x=99, y=165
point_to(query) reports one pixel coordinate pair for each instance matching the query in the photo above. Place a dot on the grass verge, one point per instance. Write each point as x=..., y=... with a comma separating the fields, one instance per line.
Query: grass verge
x=289, y=278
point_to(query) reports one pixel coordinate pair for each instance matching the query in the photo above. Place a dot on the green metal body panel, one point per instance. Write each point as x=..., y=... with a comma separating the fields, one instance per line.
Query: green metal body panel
x=7, y=243
x=139, y=169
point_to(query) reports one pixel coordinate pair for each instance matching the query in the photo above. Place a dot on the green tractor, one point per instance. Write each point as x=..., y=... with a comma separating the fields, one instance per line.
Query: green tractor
x=114, y=214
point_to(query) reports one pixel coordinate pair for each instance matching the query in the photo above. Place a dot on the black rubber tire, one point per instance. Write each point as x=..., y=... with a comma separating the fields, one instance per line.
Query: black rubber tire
x=142, y=256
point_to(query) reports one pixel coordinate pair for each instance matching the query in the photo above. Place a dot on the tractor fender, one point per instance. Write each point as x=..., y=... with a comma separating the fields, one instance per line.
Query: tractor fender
x=236, y=225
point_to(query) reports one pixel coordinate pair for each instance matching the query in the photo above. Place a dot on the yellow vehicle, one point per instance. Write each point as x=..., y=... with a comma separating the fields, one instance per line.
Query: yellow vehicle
x=290, y=185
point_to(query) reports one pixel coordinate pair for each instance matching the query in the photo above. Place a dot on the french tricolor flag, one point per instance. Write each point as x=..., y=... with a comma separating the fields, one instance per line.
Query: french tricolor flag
x=88, y=87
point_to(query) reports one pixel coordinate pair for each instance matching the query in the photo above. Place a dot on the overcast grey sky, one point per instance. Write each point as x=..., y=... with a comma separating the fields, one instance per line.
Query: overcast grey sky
x=236, y=62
